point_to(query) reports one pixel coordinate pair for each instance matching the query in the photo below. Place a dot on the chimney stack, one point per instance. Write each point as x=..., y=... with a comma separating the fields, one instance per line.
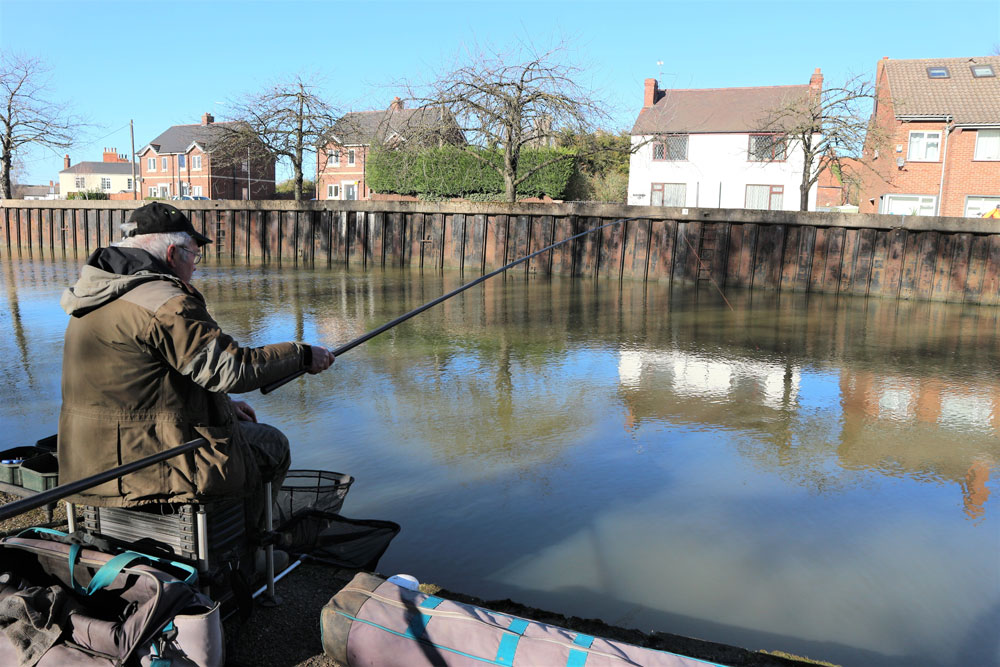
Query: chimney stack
x=396, y=105
x=66, y=162
x=111, y=155
x=651, y=94
x=816, y=83
x=207, y=119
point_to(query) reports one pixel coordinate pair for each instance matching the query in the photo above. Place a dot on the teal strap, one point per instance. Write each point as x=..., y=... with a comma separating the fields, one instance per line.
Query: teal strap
x=579, y=658
x=509, y=641
x=431, y=602
x=42, y=531
x=110, y=570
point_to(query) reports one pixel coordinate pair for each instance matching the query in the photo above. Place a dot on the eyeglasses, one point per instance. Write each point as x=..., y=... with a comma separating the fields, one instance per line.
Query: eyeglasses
x=197, y=255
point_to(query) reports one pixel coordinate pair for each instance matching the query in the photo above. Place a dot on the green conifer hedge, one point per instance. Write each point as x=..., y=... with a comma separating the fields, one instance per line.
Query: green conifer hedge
x=452, y=171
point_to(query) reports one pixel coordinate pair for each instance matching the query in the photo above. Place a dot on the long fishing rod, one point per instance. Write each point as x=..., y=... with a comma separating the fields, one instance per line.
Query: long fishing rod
x=266, y=389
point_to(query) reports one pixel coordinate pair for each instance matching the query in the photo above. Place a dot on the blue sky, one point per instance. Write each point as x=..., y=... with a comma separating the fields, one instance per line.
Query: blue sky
x=166, y=63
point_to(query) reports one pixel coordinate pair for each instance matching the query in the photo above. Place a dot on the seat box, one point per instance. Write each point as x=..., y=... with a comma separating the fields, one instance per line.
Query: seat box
x=175, y=527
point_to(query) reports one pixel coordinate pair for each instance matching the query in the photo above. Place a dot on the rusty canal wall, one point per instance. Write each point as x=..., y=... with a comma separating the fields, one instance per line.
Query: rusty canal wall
x=905, y=257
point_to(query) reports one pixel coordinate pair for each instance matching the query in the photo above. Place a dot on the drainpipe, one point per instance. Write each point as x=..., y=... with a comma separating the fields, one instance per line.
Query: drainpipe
x=944, y=161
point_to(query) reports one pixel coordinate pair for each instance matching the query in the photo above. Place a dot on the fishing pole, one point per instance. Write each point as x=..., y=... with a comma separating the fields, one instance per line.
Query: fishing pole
x=266, y=389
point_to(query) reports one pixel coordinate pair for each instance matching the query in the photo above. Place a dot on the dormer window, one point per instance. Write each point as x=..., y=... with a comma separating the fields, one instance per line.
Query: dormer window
x=982, y=71
x=938, y=73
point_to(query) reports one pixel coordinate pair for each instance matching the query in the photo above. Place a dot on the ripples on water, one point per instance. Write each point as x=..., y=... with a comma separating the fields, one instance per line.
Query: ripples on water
x=804, y=473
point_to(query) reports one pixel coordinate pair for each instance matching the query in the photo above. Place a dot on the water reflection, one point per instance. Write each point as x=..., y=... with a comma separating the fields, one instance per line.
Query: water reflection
x=800, y=472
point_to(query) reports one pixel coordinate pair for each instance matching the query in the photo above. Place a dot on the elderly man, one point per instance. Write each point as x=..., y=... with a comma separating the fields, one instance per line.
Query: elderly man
x=146, y=368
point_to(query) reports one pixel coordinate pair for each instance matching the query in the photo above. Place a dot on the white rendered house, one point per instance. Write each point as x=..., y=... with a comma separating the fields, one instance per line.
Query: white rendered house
x=705, y=148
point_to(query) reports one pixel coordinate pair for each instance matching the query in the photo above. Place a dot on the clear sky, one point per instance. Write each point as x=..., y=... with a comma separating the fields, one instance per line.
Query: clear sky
x=166, y=63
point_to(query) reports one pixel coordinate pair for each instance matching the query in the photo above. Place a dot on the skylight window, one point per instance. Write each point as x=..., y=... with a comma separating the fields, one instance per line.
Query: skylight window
x=938, y=73
x=982, y=71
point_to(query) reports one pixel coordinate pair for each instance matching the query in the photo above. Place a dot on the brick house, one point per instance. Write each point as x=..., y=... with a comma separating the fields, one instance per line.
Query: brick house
x=111, y=176
x=704, y=147
x=179, y=163
x=340, y=163
x=941, y=118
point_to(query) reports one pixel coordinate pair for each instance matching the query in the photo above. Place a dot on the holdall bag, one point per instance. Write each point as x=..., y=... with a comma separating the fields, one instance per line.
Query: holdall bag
x=62, y=603
x=374, y=622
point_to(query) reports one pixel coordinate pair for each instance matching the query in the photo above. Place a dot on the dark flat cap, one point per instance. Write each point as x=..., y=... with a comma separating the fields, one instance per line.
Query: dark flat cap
x=160, y=218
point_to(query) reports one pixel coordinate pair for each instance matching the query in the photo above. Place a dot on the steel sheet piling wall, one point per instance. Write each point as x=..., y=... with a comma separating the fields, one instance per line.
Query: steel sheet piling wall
x=942, y=259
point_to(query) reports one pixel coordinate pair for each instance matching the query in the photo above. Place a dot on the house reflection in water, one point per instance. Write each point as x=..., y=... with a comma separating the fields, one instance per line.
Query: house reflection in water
x=798, y=416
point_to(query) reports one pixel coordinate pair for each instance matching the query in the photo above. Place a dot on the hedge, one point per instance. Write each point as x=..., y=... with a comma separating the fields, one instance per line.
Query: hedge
x=452, y=171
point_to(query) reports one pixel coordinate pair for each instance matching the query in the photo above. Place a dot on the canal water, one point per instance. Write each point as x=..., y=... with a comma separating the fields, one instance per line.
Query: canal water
x=799, y=473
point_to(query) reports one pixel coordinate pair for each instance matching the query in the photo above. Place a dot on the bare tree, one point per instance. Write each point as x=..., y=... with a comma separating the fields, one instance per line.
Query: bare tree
x=832, y=127
x=27, y=115
x=510, y=101
x=282, y=122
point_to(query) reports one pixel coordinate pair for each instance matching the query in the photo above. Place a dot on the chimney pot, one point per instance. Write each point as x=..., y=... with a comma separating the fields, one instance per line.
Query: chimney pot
x=66, y=161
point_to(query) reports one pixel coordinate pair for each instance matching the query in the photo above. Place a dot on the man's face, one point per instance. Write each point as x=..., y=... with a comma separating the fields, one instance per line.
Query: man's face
x=182, y=258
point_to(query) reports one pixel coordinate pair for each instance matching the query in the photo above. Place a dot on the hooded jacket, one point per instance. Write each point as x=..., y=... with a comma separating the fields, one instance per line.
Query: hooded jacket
x=146, y=368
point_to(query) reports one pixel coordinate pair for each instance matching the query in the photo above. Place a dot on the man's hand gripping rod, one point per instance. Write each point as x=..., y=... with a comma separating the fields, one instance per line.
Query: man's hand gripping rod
x=267, y=389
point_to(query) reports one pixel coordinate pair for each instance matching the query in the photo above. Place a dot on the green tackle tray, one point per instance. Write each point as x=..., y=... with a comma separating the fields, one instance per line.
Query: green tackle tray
x=10, y=473
x=40, y=473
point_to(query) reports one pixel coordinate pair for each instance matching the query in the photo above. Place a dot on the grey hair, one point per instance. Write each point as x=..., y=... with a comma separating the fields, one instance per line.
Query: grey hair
x=155, y=244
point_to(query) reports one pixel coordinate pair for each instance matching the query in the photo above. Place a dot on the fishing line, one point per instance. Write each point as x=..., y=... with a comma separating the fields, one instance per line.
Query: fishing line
x=701, y=264
x=266, y=389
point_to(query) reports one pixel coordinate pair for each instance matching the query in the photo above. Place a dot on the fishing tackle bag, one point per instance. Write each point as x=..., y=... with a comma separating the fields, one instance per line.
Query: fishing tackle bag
x=374, y=622
x=63, y=604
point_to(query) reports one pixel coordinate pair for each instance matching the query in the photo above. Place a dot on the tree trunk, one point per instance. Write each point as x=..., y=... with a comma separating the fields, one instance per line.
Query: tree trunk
x=804, y=187
x=6, y=190
x=297, y=161
x=510, y=173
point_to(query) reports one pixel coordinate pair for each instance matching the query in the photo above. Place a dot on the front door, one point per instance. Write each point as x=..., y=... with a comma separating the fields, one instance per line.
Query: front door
x=350, y=191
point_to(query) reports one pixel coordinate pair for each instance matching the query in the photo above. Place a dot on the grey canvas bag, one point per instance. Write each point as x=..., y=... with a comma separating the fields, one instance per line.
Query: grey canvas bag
x=66, y=604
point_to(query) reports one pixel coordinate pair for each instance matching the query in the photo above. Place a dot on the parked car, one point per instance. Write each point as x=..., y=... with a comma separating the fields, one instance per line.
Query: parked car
x=189, y=198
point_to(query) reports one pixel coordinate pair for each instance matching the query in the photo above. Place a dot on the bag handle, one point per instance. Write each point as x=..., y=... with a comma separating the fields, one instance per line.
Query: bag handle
x=110, y=570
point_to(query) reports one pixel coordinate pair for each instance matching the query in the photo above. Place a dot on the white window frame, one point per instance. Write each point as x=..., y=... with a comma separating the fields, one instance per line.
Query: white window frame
x=129, y=184
x=977, y=205
x=185, y=189
x=80, y=182
x=153, y=191
x=987, y=145
x=925, y=203
x=333, y=158
x=151, y=164
x=196, y=163
x=196, y=191
x=351, y=157
x=164, y=162
x=105, y=183
x=917, y=146
x=332, y=191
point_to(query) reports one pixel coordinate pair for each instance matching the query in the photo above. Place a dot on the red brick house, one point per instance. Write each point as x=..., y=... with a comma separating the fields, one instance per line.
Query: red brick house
x=941, y=119
x=340, y=164
x=179, y=163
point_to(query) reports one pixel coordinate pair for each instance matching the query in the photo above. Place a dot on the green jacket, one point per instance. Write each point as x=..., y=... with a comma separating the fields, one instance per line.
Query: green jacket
x=146, y=368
